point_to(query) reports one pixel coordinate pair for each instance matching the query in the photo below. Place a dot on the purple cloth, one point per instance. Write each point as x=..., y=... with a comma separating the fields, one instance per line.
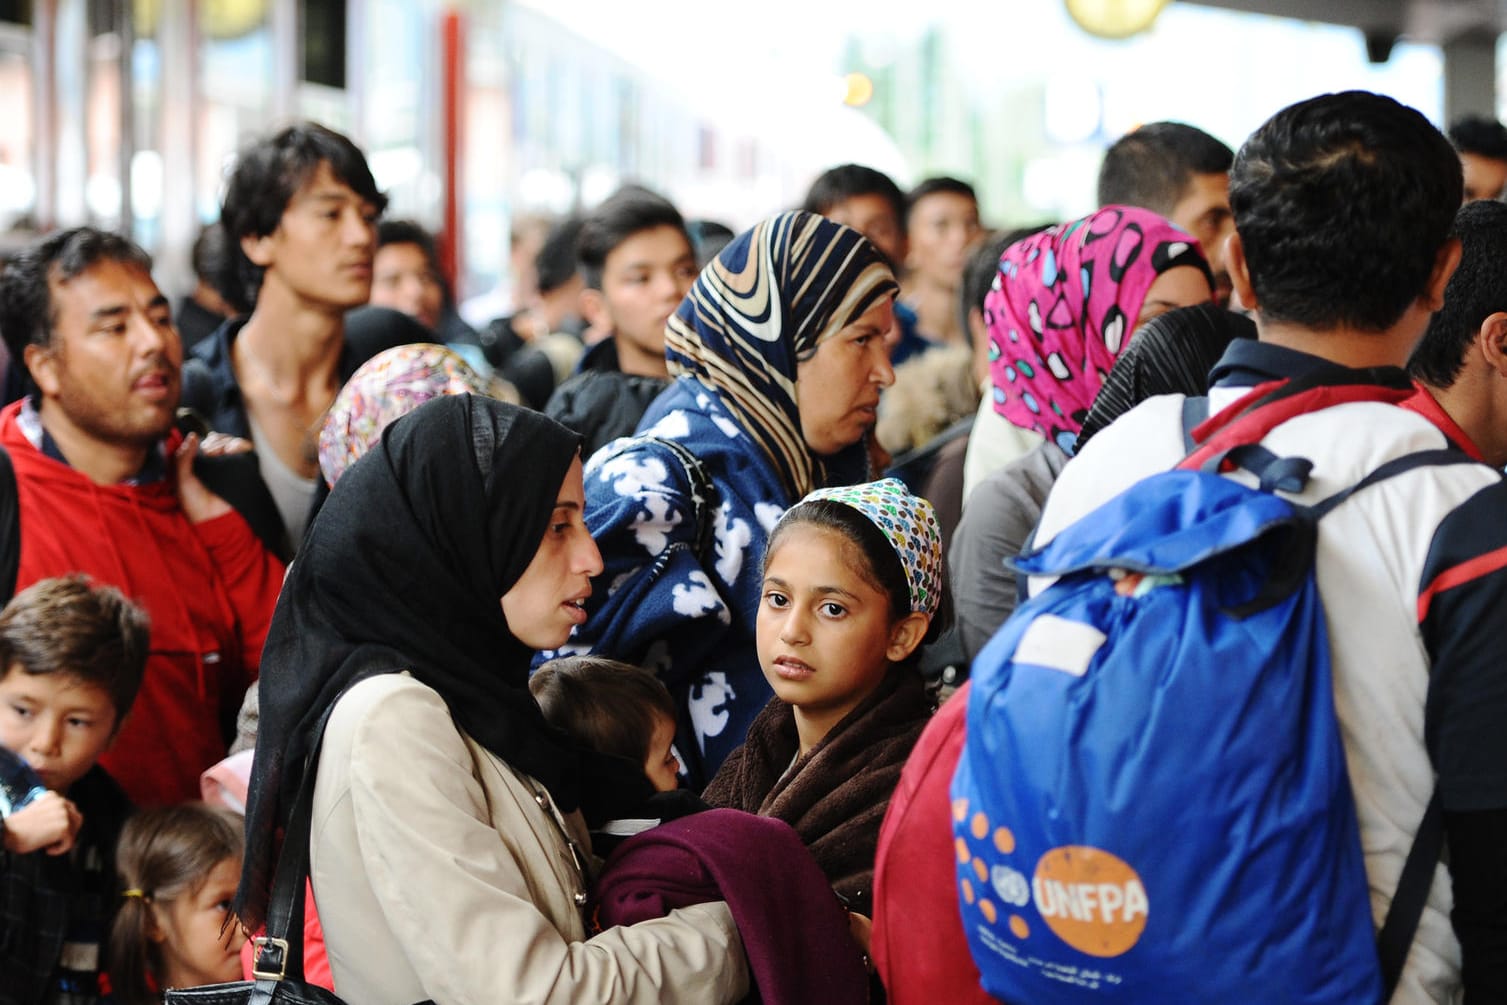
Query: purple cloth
x=793, y=929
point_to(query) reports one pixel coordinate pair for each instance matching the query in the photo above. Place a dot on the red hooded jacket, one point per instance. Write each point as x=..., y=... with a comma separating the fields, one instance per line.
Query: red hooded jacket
x=209, y=590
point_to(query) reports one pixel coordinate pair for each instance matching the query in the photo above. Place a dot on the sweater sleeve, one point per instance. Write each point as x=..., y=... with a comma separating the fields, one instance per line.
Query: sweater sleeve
x=251, y=577
x=459, y=896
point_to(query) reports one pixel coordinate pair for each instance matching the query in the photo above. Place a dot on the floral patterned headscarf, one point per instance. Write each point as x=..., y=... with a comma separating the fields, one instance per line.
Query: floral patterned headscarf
x=390, y=384
x=908, y=523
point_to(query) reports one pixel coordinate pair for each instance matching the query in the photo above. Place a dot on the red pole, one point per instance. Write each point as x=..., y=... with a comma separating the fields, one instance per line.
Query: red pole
x=452, y=36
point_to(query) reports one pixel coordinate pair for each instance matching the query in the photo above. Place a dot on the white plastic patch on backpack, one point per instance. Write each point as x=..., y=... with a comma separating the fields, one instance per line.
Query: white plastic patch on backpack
x=1057, y=643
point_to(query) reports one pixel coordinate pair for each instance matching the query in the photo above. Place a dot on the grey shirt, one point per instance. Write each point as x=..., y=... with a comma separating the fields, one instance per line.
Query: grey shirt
x=997, y=519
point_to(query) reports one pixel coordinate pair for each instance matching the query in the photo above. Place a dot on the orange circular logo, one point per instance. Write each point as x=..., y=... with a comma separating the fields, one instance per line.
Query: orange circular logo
x=1092, y=900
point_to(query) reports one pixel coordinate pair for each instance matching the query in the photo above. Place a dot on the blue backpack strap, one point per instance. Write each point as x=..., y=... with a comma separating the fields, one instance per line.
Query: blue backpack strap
x=1195, y=412
x=1401, y=923
x=1396, y=935
x=1391, y=469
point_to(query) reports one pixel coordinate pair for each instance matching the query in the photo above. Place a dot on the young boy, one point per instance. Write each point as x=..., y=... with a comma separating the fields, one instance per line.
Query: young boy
x=638, y=264
x=623, y=712
x=71, y=661
x=871, y=203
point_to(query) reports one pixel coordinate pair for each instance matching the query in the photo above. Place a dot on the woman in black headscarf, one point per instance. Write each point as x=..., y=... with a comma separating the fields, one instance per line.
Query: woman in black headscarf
x=445, y=851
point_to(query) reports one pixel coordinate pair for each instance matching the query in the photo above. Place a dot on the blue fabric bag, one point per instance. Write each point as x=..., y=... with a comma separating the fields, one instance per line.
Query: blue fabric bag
x=1152, y=804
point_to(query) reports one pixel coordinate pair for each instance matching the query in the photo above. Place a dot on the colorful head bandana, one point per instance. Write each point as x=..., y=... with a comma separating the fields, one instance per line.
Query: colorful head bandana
x=390, y=384
x=765, y=303
x=909, y=523
x=1063, y=305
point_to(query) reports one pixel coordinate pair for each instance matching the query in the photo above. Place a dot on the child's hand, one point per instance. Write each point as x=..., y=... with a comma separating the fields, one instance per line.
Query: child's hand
x=49, y=823
x=859, y=927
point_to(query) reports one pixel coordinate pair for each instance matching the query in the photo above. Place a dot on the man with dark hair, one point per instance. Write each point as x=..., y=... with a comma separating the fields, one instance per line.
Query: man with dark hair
x=1411, y=571
x=867, y=200
x=941, y=223
x=205, y=309
x=1182, y=173
x=1460, y=364
x=871, y=203
x=104, y=486
x=300, y=212
x=406, y=272
x=637, y=265
x=1482, y=145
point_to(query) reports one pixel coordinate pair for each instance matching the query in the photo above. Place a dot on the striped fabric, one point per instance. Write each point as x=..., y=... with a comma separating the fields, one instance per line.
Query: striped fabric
x=1172, y=354
x=764, y=304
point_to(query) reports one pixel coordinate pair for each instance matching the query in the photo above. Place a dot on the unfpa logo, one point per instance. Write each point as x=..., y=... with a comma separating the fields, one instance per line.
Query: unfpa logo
x=1092, y=900
x=1089, y=898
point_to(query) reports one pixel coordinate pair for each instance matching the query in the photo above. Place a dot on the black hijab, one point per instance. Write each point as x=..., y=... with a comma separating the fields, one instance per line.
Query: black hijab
x=403, y=570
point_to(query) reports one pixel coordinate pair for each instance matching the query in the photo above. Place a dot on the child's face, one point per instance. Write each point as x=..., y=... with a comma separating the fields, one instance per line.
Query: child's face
x=660, y=763
x=188, y=932
x=824, y=631
x=57, y=722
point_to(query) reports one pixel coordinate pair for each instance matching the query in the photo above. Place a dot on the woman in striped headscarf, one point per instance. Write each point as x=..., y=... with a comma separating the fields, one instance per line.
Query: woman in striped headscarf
x=778, y=356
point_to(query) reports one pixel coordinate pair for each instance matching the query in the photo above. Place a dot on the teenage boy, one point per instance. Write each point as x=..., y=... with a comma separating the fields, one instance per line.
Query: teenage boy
x=1482, y=145
x=637, y=264
x=71, y=660
x=941, y=224
x=1413, y=571
x=871, y=203
x=104, y=486
x=300, y=213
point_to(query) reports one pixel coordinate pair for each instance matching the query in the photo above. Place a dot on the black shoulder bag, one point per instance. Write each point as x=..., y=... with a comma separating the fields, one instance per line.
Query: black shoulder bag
x=277, y=975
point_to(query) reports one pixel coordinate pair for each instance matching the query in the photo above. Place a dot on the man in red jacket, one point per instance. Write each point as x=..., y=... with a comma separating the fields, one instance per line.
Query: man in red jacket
x=103, y=486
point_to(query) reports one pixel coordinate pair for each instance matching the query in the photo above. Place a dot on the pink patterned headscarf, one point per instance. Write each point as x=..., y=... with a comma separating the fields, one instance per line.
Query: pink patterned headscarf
x=1063, y=306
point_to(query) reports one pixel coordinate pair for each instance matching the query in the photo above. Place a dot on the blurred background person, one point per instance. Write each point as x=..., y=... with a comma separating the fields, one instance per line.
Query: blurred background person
x=1481, y=143
x=941, y=223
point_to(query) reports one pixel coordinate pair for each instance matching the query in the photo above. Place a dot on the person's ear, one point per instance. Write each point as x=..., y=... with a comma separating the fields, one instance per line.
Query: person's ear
x=45, y=368
x=1240, y=272
x=906, y=634
x=155, y=932
x=258, y=249
x=593, y=308
x=1491, y=339
x=1445, y=264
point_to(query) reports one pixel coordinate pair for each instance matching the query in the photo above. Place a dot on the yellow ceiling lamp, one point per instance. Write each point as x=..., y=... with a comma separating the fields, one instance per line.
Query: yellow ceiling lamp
x=218, y=19
x=1114, y=18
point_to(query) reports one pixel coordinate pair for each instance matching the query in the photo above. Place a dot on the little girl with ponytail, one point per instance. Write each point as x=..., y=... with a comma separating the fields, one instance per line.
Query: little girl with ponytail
x=179, y=866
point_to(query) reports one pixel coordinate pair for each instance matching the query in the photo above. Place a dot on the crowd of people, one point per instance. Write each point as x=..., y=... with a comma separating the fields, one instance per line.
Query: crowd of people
x=646, y=640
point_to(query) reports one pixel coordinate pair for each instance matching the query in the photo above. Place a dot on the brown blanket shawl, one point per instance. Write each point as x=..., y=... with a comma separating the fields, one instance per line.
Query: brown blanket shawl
x=835, y=796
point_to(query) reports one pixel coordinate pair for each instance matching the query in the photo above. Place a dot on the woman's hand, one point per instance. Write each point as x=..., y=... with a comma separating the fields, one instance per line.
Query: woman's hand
x=49, y=823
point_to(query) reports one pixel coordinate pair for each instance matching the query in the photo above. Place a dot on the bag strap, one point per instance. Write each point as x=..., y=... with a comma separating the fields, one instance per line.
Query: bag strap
x=1401, y=924
x=279, y=953
x=10, y=528
x=1195, y=414
x=704, y=495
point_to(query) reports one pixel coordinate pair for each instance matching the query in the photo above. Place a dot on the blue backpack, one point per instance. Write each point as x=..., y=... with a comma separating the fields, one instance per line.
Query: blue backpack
x=1152, y=803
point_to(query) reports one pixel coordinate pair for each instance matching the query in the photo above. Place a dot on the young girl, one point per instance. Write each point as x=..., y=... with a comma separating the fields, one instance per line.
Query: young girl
x=179, y=866
x=852, y=587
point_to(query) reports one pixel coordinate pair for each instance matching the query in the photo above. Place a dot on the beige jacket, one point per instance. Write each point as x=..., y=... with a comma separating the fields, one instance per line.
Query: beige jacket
x=440, y=872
